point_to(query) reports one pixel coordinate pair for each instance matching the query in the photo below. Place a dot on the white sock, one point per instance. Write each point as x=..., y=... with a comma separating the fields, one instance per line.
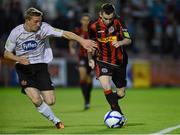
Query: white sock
x=46, y=111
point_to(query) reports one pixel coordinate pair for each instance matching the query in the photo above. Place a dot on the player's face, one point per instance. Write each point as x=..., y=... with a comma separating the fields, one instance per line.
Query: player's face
x=34, y=23
x=85, y=20
x=107, y=19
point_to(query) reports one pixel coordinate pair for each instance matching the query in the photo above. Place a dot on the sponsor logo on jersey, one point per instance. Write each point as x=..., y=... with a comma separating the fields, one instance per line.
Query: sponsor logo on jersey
x=107, y=39
x=111, y=29
x=104, y=70
x=29, y=45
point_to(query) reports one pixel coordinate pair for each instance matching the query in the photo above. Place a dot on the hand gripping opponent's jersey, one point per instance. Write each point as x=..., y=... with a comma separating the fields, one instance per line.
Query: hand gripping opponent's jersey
x=34, y=45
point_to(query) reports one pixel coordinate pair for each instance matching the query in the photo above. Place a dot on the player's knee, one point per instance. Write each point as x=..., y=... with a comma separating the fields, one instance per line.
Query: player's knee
x=36, y=100
x=121, y=93
x=50, y=101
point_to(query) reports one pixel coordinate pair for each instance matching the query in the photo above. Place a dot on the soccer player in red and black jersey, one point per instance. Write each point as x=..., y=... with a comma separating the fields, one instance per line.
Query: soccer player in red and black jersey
x=84, y=69
x=110, y=59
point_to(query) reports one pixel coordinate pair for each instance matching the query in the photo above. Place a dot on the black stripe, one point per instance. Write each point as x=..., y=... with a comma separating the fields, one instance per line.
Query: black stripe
x=108, y=47
x=98, y=28
x=119, y=37
x=116, y=55
x=117, y=30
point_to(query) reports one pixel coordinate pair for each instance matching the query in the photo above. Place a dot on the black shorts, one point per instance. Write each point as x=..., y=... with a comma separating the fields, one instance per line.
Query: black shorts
x=2, y=49
x=118, y=73
x=83, y=62
x=34, y=75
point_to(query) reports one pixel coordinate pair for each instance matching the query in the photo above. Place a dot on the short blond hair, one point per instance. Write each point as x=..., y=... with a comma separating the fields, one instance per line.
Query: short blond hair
x=32, y=12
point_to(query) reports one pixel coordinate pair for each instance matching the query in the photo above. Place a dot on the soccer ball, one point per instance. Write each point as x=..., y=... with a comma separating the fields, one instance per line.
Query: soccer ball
x=113, y=119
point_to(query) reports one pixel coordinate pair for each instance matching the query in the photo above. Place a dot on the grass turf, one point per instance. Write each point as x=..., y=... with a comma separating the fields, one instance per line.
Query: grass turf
x=148, y=111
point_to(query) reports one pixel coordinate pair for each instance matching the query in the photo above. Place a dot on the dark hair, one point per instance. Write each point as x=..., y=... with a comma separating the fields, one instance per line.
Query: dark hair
x=108, y=8
x=86, y=14
x=32, y=12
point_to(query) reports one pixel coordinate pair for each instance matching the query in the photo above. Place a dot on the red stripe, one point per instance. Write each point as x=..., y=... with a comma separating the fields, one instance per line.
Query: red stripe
x=106, y=92
x=97, y=71
x=104, y=51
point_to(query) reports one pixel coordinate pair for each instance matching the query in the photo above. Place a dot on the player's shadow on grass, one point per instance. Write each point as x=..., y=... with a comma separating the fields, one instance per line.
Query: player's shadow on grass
x=86, y=125
x=82, y=110
x=112, y=130
x=39, y=127
x=34, y=129
x=102, y=125
x=135, y=124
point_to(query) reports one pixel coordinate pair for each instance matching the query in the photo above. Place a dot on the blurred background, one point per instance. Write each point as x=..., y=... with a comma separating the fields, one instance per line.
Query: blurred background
x=154, y=26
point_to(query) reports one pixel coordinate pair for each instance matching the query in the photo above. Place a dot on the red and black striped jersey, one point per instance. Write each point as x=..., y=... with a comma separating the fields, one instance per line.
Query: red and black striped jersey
x=105, y=36
x=84, y=34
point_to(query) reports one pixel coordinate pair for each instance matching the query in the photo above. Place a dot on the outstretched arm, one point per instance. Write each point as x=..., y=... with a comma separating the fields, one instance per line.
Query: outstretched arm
x=89, y=45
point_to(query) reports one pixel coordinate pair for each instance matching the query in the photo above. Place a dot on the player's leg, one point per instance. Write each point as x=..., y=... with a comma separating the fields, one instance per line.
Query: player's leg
x=49, y=99
x=119, y=79
x=120, y=86
x=46, y=88
x=32, y=77
x=83, y=84
x=120, y=92
x=42, y=107
x=34, y=95
x=110, y=97
x=89, y=87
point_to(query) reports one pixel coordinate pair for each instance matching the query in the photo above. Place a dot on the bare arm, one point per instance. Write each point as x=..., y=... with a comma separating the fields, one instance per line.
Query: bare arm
x=72, y=36
x=20, y=59
x=125, y=41
x=89, y=45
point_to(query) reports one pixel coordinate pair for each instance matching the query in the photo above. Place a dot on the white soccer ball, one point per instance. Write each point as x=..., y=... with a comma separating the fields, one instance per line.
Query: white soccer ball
x=113, y=119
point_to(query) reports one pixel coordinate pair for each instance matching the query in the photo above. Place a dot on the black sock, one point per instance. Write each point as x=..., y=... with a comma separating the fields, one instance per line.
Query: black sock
x=112, y=100
x=89, y=89
x=84, y=91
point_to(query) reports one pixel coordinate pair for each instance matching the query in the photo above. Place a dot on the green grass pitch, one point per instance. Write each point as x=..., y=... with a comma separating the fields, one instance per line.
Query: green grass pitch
x=148, y=111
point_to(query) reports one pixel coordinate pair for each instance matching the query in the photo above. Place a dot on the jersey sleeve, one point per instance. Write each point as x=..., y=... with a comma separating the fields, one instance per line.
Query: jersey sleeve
x=124, y=30
x=51, y=31
x=11, y=41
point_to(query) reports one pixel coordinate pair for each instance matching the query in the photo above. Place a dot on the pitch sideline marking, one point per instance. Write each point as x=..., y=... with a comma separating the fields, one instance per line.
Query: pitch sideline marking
x=167, y=130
